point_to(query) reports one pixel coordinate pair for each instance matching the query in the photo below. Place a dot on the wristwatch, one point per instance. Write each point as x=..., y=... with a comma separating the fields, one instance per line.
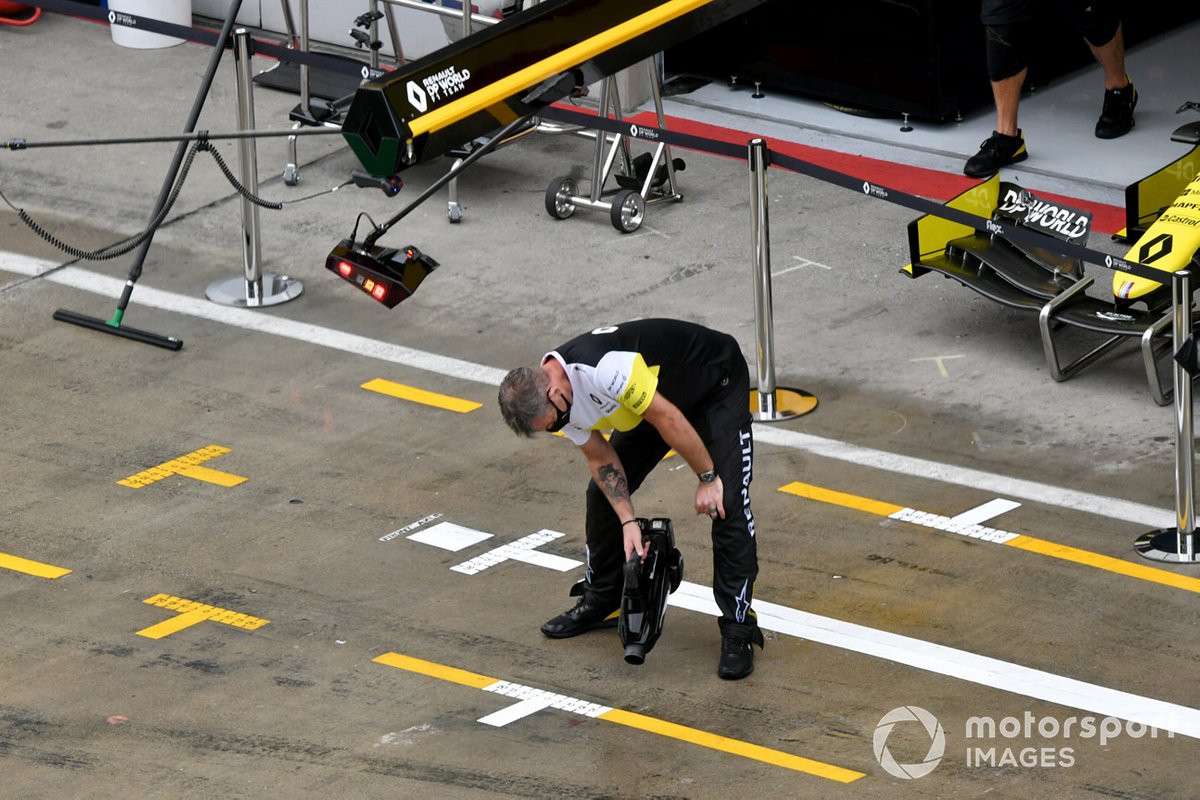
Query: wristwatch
x=708, y=477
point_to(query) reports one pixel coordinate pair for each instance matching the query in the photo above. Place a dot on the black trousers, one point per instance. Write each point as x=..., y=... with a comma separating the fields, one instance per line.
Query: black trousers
x=722, y=420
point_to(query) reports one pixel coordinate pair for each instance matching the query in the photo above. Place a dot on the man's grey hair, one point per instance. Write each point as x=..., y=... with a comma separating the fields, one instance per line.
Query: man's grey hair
x=523, y=398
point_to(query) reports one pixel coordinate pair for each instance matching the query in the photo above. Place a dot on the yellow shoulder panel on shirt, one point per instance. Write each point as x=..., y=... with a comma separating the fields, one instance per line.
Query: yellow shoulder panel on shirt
x=639, y=390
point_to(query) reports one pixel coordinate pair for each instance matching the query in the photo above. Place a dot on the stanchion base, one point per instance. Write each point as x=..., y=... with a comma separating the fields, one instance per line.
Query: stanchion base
x=1162, y=545
x=276, y=289
x=789, y=404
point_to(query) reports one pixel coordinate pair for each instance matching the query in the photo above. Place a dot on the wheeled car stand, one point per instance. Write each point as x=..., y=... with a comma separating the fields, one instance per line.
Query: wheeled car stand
x=639, y=182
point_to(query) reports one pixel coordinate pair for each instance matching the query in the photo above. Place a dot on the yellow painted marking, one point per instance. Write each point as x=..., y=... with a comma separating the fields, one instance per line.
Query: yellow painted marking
x=189, y=466
x=421, y=396
x=565, y=59
x=641, y=722
x=733, y=746
x=1019, y=541
x=433, y=670
x=1100, y=561
x=35, y=568
x=191, y=613
x=210, y=475
x=841, y=499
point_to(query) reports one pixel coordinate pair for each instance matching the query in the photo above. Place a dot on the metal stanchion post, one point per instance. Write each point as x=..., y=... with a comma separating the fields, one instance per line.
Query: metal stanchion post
x=1179, y=544
x=254, y=289
x=768, y=403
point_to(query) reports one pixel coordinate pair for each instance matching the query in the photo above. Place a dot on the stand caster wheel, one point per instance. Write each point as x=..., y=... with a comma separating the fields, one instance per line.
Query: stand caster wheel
x=628, y=210
x=454, y=212
x=558, y=197
x=291, y=175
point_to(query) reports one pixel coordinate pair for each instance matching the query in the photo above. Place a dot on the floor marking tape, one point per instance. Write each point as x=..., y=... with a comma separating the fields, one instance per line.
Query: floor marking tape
x=248, y=319
x=941, y=660
x=35, y=568
x=521, y=550
x=415, y=395
x=532, y=700
x=964, y=526
x=192, y=613
x=189, y=466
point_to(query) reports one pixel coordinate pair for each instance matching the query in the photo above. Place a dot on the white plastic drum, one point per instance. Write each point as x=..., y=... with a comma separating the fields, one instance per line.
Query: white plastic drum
x=176, y=12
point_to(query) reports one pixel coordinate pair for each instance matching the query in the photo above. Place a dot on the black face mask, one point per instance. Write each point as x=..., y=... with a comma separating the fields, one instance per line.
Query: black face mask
x=562, y=416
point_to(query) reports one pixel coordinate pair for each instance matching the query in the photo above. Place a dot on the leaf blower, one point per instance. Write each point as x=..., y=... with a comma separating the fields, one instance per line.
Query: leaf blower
x=648, y=582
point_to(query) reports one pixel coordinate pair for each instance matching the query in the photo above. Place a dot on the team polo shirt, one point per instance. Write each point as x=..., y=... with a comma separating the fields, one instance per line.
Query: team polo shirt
x=615, y=371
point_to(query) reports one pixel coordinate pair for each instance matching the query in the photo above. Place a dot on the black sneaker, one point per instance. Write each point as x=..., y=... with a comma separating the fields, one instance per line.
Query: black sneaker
x=585, y=616
x=737, y=658
x=996, y=151
x=1117, y=117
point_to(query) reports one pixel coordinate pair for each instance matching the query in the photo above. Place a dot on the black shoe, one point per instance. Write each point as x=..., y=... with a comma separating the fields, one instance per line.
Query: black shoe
x=737, y=658
x=1117, y=117
x=996, y=151
x=585, y=616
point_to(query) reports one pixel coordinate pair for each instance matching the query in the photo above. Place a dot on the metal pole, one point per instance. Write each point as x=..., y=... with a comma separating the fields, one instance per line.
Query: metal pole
x=373, y=9
x=254, y=289
x=794, y=402
x=248, y=164
x=1179, y=545
x=304, y=95
x=761, y=250
x=1185, y=507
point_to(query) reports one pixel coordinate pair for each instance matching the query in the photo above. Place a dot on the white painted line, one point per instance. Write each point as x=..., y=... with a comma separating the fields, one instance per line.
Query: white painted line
x=253, y=320
x=981, y=514
x=960, y=664
x=560, y=701
x=940, y=523
x=547, y=560
x=449, y=536
x=257, y=320
x=517, y=711
x=524, y=549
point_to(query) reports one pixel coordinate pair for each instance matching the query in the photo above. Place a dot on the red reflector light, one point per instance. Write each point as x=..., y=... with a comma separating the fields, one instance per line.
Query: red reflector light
x=379, y=292
x=344, y=269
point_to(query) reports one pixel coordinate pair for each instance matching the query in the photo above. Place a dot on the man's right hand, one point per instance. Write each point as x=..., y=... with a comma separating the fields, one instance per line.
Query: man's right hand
x=633, y=541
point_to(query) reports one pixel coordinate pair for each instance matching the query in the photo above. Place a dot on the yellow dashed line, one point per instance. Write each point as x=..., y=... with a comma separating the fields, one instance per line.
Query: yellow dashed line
x=1020, y=541
x=35, y=568
x=416, y=395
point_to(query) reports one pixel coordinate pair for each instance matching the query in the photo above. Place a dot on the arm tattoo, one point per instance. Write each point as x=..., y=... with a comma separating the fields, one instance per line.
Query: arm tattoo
x=612, y=481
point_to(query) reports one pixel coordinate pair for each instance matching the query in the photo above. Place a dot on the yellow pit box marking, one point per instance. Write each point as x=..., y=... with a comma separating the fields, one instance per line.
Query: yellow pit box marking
x=995, y=535
x=530, y=700
x=191, y=613
x=189, y=466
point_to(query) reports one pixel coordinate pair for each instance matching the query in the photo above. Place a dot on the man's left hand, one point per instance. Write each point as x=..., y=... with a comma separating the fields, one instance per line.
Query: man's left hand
x=710, y=499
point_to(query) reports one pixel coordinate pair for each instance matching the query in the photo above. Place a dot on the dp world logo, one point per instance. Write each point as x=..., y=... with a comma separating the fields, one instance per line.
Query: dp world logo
x=937, y=745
